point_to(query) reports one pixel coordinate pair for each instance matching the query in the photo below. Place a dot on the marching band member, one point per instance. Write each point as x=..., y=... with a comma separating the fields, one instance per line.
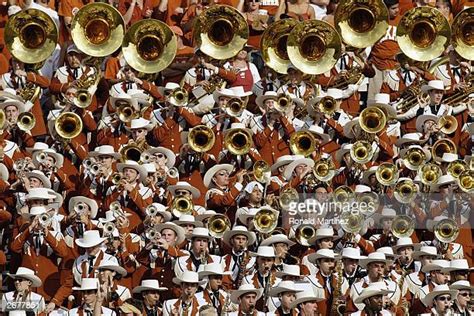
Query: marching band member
x=246, y=297
x=373, y=299
x=187, y=304
x=214, y=294
x=285, y=291
x=23, y=297
x=91, y=300
x=150, y=292
x=462, y=300
x=439, y=299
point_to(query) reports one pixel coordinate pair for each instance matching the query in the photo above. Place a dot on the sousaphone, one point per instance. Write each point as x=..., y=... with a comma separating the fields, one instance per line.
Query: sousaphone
x=423, y=33
x=31, y=36
x=149, y=46
x=220, y=31
x=361, y=23
x=273, y=43
x=97, y=29
x=462, y=37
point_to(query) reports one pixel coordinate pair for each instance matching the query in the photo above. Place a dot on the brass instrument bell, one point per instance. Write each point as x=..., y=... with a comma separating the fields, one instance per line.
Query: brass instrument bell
x=327, y=105
x=261, y=171
x=235, y=107
x=302, y=143
x=26, y=121
x=265, y=220
x=3, y=118
x=305, y=234
x=387, y=174
x=324, y=169
x=182, y=206
x=466, y=181
x=283, y=103
x=361, y=152
x=352, y=222
x=446, y=230
x=126, y=113
x=117, y=177
x=274, y=42
x=68, y=125
x=288, y=197
x=343, y=194
x=98, y=29
x=149, y=46
x=31, y=36
x=109, y=228
x=423, y=33
x=442, y=146
x=220, y=32
x=178, y=97
x=405, y=191
x=368, y=202
x=238, y=141
x=403, y=226
x=201, y=138
x=83, y=98
x=314, y=46
x=151, y=210
x=447, y=124
x=131, y=152
x=462, y=37
x=414, y=158
x=455, y=168
x=361, y=23
x=372, y=120
x=218, y=225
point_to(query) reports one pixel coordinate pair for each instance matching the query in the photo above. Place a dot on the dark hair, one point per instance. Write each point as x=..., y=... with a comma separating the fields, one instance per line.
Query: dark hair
x=389, y=3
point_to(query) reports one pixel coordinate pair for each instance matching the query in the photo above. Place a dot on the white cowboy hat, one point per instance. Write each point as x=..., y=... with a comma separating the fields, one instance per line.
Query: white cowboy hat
x=366, y=175
x=324, y=232
x=345, y=148
x=223, y=93
x=35, y=174
x=245, y=213
x=443, y=180
x=162, y=210
x=90, y=239
x=382, y=101
x=288, y=173
x=387, y=251
x=374, y=289
x=109, y=217
x=104, y=150
x=283, y=160
x=168, y=87
x=282, y=287
x=373, y=257
x=278, y=238
x=82, y=199
x=433, y=85
x=171, y=157
x=39, y=194
x=179, y=231
x=140, y=123
x=206, y=214
x=323, y=254
x=435, y=265
x=135, y=166
x=149, y=168
x=239, y=230
x=87, y=284
x=188, y=277
x=37, y=146
x=360, y=188
x=425, y=251
x=438, y=290
x=214, y=268
x=264, y=251
x=386, y=213
x=28, y=274
x=37, y=210
x=18, y=104
x=458, y=265
x=420, y=121
x=112, y=265
x=244, y=289
x=351, y=127
x=201, y=232
x=331, y=92
x=239, y=91
x=448, y=157
x=352, y=253
x=123, y=97
x=289, y=270
x=462, y=285
x=309, y=294
x=188, y=219
x=404, y=242
x=9, y=93
x=142, y=98
x=269, y=95
x=213, y=170
x=319, y=132
x=148, y=285
x=414, y=138
x=237, y=125
x=182, y=185
x=58, y=158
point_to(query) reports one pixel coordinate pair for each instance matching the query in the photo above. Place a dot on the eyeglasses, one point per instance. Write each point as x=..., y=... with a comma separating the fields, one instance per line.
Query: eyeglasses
x=465, y=294
x=443, y=298
x=159, y=155
x=222, y=174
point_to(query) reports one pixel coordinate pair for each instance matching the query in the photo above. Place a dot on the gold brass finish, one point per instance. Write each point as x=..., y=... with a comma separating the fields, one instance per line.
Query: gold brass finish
x=447, y=124
x=446, y=230
x=466, y=181
x=343, y=194
x=179, y=97
x=442, y=146
x=265, y=220
x=462, y=37
x=26, y=121
x=327, y=105
x=302, y=143
x=68, y=125
x=273, y=44
x=261, y=171
x=352, y=222
x=305, y=234
x=430, y=173
x=387, y=174
x=324, y=169
x=405, y=191
x=372, y=120
x=201, y=138
x=414, y=158
x=182, y=206
x=455, y=168
x=361, y=152
x=238, y=141
x=403, y=226
x=235, y=107
x=218, y=225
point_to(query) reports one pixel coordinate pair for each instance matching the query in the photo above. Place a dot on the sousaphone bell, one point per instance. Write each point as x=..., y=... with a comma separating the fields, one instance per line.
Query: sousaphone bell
x=149, y=46
x=273, y=43
x=462, y=37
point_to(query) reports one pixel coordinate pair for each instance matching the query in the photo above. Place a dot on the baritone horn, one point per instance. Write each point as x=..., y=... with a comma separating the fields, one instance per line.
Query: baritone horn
x=131, y=151
x=423, y=33
x=235, y=107
x=302, y=143
x=324, y=169
x=265, y=220
x=149, y=46
x=26, y=121
x=466, y=181
x=68, y=125
x=305, y=234
x=455, y=168
x=387, y=174
x=283, y=103
x=462, y=33
x=218, y=225
x=442, y=146
x=361, y=23
x=327, y=105
x=238, y=141
x=403, y=226
x=178, y=97
x=126, y=113
x=182, y=206
x=405, y=191
x=372, y=120
x=446, y=230
x=201, y=138
x=273, y=44
x=414, y=158
x=361, y=152
x=98, y=29
x=314, y=46
x=220, y=31
x=447, y=124
x=31, y=36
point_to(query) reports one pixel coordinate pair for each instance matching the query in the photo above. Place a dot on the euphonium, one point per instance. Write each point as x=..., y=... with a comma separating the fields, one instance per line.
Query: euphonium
x=343, y=194
x=327, y=105
x=361, y=23
x=220, y=31
x=182, y=205
x=235, y=107
x=283, y=103
x=126, y=113
x=302, y=143
x=273, y=45
x=305, y=234
x=26, y=121
x=68, y=125
x=405, y=191
x=447, y=124
x=324, y=169
x=446, y=230
x=201, y=138
x=265, y=220
x=455, y=168
x=178, y=97
x=288, y=197
x=238, y=141
x=149, y=46
x=461, y=38
x=430, y=173
x=218, y=224
x=423, y=33
x=372, y=120
x=403, y=226
x=414, y=158
x=387, y=173
x=132, y=151
x=31, y=36
x=361, y=152
x=314, y=46
x=442, y=146
x=86, y=88
x=466, y=181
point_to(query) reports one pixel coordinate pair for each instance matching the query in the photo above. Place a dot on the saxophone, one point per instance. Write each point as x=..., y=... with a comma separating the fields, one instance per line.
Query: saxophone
x=338, y=305
x=242, y=269
x=226, y=308
x=203, y=257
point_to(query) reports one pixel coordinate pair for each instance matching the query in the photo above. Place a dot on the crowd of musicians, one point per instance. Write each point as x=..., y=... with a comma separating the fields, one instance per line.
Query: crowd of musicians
x=154, y=155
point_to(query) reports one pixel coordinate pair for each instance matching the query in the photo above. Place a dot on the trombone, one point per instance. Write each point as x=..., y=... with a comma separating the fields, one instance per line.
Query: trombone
x=235, y=107
x=26, y=121
x=343, y=194
x=414, y=158
x=327, y=105
x=178, y=97
x=283, y=103
x=265, y=220
x=218, y=225
x=302, y=143
x=126, y=113
x=447, y=124
x=305, y=234
x=201, y=138
x=287, y=198
x=446, y=230
x=372, y=120
x=117, y=177
x=238, y=141
x=68, y=125
x=261, y=171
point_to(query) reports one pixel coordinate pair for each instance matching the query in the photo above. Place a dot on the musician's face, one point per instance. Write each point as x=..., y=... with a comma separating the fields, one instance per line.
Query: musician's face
x=169, y=235
x=426, y=260
x=442, y=302
x=131, y=175
x=326, y=265
x=299, y=169
x=405, y=253
x=376, y=270
x=243, y=53
x=139, y=134
x=440, y=277
x=459, y=275
x=49, y=162
x=11, y=113
x=248, y=301
x=184, y=193
x=151, y=297
x=281, y=249
x=35, y=183
x=372, y=180
x=223, y=101
x=321, y=194
x=464, y=297
x=387, y=224
x=189, y=289
x=325, y=243
x=89, y=297
x=375, y=303
x=215, y=282
x=239, y=242
x=269, y=105
x=428, y=126
x=22, y=285
x=393, y=11
x=350, y=265
x=221, y=178
x=287, y=298
x=74, y=60
x=256, y=195
x=200, y=245
x=265, y=264
x=309, y=308
x=444, y=8
x=436, y=96
x=160, y=159
x=106, y=161
x=36, y=202
x=294, y=76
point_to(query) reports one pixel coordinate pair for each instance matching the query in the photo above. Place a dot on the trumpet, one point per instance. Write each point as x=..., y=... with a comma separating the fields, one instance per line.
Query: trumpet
x=414, y=158
x=153, y=233
x=238, y=141
x=182, y=205
x=405, y=191
x=151, y=210
x=95, y=169
x=109, y=229
x=80, y=207
x=305, y=234
x=146, y=158
x=88, y=162
x=446, y=230
x=265, y=220
x=430, y=173
x=115, y=206
x=403, y=226
x=302, y=143
x=361, y=152
x=387, y=174
x=41, y=158
x=327, y=105
x=283, y=103
x=172, y=173
x=455, y=168
x=218, y=225
x=117, y=178
x=132, y=151
x=45, y=219
x=26, y=121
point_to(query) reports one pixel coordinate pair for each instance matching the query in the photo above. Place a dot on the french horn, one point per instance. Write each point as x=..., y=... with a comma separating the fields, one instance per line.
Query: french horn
x=423, y=33
x=314, y=46
x=302, y=143
x=98, y=29
x=220, y=31
x=238, y=141
x=149, y=46
x=462, y=37
x=68, y=125
x=273, y=44
x=31, y=36
x=361, y=23
x=201, y=138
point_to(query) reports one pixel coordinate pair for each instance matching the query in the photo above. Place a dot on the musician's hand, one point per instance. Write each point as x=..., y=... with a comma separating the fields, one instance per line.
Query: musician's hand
x=163, y=244
x=240, y=175
x=128, y=186
x=148, y=13
x=270, y=199
x=34, y=225
x=122, y=222
x=204, y=83
x=49, y=308
x=20, y=73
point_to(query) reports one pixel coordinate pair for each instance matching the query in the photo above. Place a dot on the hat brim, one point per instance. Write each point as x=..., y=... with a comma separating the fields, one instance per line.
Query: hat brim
x=277, y=239
x=236, y=294
x=213, y=170
x=178, y=281
x=80, y=242
x=369, y=293
x=170, y=156
x=141, y=171
x=251, y=238
x=179, y=231
x=139, y=289
x=46, y=182
x=420, y=121
x=315, y=256
x=194, y=191
x=300, y=300
x=288, y=174
x=260, y=100
x=94, y=208
x=428, y=299
x=97, y=154
x=35, y=281
x=117, y=269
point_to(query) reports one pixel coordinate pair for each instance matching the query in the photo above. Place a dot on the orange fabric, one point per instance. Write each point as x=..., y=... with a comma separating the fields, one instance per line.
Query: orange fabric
x=112, y=67
x=3, y=63
x=405, y=5
x=66, y=7
x=383, y=54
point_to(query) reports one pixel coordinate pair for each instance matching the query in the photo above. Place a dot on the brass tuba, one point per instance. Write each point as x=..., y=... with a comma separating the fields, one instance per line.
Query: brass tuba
x=447, y=124
x=238, y=141
x=31, y=36
x=442, y=146
x=201, y=138
x=149, y=46
x=405, y=191
x=273, y=44
x=387, y=173
x=305, y=234
x=403, y=226
x=423, y=33
x=68, y=125
x=446, y=230
x=314, y=46
x=361, y=23
x=218, y=225
x=26, y=121
x=302, y=143
x=220, y=31
x=462, y=33
x=361, y=152
x=265, y=220
x=372, y=120
x=97, y=29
